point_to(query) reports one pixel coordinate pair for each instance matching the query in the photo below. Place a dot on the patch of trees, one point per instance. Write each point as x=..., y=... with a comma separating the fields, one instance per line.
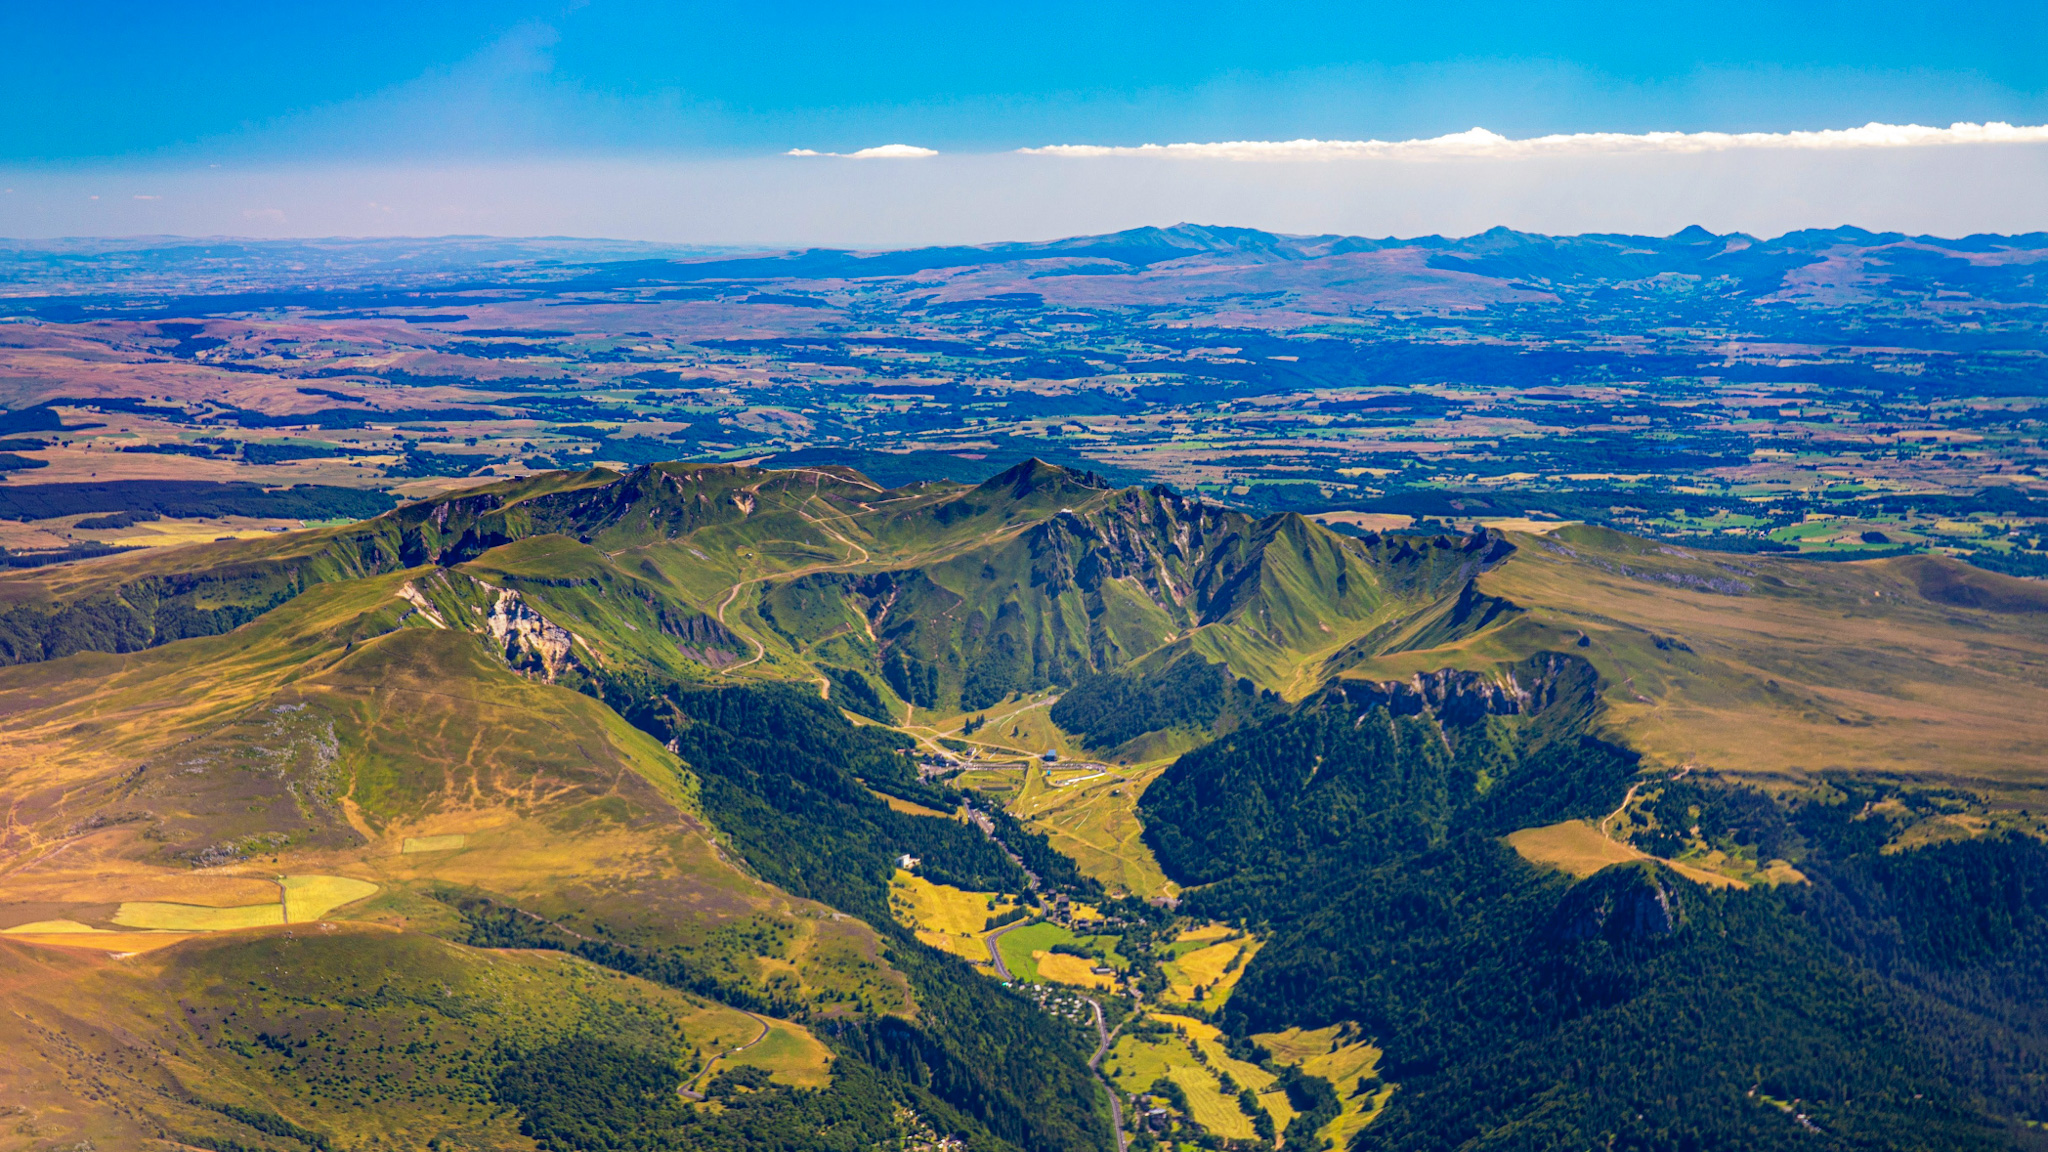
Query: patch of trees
x=151, y=611
x=190, y=498
x=1190, y=692
x=591, y=1095
x=853, y=691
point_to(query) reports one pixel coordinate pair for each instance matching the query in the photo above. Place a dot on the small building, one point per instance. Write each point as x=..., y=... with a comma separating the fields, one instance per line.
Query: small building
x=907, y=862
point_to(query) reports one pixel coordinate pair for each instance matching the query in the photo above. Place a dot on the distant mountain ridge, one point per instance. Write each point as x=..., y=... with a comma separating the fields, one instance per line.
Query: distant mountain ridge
x=392, y=272
x=1498, y=251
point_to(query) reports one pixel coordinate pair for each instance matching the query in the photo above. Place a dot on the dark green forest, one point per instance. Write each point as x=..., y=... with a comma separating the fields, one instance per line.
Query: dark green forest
x=1893, y=1003
x=781, y=773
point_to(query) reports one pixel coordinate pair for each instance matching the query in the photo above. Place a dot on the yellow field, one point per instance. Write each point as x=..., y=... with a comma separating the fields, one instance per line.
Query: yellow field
x=945, y=917
x=1064, y=969
x=46, y=927
x=1212, y=1109
x=1574, y=846
x=1096, y=823
x=311, y=897
x=195, y=918
x=1135, y=1062
x=1578, y=848
x=943, y=908
x=101, y=940
x=434, y=843
x=1204, y=967
x=1343, y=1060
x=906, y=806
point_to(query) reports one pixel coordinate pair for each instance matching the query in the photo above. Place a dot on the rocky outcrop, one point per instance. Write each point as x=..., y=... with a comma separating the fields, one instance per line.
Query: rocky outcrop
x=1624, y=904
x=529, y=640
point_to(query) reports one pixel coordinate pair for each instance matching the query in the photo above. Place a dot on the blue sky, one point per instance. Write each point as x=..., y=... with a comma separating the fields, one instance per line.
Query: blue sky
x=380, y=78
x=107, y=99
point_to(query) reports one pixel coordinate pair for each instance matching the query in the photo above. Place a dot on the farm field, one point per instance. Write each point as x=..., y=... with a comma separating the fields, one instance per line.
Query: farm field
x=1337, y=1054
x=1138, y=1060
x=311, y=897
x=946, y=917
x=1210, y=960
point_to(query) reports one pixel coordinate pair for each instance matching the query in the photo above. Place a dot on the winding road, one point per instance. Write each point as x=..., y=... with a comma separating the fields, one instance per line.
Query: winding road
x=766, y=1025
x=1102, y=1033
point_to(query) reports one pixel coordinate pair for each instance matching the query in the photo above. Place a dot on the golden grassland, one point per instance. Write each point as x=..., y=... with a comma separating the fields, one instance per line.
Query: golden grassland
x=403, y=1053
x=945, y=917
x=446, y=842
x=1774, y=670
x=311, y=897
x=195, y=918
x=908, y=806
x=1214, y=967
x=1096, y=823
x=1338, y=1055
x=1574, y=847
x=1134, y=1062
x=1577, y=848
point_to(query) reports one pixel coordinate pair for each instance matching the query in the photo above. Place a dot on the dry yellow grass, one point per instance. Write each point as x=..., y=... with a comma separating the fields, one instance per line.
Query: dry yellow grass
x=1207, y=965
x=1578, y=848
x=1783, y=669
x=441, y=843
x=1574, y=846
x=942, y=907
x=104, y=941
x=1064, y=969
x=1344, y=1062
x=45, y=927
x=196, y=918
x=947, y=918
x=902, y=805
x=1205, y=968
x=311, y=897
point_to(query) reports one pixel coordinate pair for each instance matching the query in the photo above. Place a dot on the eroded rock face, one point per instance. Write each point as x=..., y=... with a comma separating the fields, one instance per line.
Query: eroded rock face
x=1625, y=904
x=528, y=639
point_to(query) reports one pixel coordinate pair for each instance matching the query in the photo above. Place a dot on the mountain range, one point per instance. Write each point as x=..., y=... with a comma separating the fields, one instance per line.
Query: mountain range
x=494, y=819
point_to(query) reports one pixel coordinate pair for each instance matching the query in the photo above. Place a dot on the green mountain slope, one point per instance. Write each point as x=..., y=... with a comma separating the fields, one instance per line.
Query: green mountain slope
x=622, y=744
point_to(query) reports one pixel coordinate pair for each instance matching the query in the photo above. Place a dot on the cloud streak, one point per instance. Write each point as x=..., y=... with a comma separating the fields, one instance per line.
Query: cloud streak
x=879, y=152
x=1480, y=143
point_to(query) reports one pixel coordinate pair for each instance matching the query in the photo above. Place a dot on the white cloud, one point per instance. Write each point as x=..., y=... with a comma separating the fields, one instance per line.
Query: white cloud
x=1478, y=142
x=879, y=152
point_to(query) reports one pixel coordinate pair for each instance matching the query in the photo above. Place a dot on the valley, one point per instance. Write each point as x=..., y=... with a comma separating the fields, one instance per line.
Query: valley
x=732, y=803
